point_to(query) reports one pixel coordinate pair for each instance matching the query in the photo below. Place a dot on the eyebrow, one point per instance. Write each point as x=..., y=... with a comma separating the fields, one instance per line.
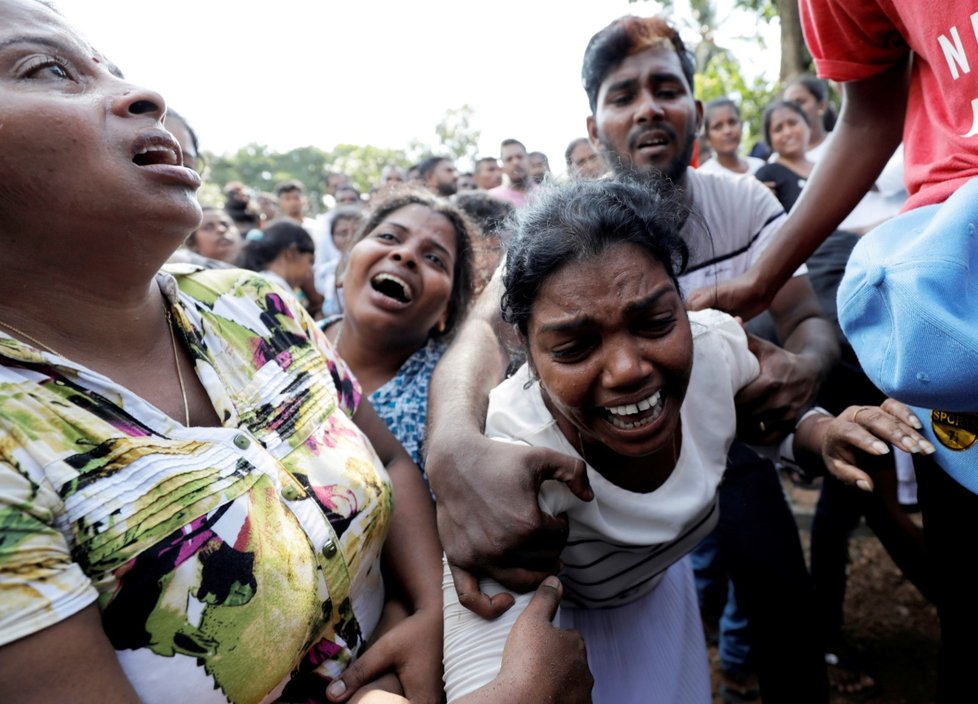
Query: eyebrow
x=61, y=46
x=586, y=320
x=432, y=240
x=660, y=77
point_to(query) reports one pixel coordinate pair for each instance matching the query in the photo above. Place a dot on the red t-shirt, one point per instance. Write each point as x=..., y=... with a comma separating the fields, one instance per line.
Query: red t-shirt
x=855, y=39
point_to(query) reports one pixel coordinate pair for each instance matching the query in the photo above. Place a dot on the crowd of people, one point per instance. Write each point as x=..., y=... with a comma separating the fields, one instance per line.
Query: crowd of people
x=488, y=436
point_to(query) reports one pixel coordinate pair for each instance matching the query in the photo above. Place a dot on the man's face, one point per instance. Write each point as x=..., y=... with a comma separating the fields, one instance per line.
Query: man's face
x=292, y=203
x=515, y=163
x=488, y=175
x=539, y=168
x=646, y=117
x=443, y=179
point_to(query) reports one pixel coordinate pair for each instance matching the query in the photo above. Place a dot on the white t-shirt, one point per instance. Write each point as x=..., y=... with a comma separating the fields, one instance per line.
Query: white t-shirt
x=733, y=221
x=621, y=542
x=713, y=166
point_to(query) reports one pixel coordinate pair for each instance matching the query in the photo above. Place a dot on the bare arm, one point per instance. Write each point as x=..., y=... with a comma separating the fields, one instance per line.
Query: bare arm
x=790, y=376
x=488, y=516
x=411, y=647
x=870, y=128
x=72, y=661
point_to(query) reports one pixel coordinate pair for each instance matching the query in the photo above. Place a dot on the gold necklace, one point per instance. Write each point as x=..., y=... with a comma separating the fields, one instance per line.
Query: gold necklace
x=176, y=361
x=31, y=338
x=173, y=345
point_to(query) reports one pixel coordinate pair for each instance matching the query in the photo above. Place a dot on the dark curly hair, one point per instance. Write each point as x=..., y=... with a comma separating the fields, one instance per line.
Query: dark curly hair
x=581, y=220
x=626, y=36
x=465, y=233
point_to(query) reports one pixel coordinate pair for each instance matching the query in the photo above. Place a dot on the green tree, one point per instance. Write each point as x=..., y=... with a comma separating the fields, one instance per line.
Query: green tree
x=363, y=164
x=456, y=135
x=795, y=58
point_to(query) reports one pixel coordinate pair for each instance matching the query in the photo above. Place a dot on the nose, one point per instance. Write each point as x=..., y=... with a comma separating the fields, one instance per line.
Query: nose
x=625, y=364
x=404, y=255
x=136, y=101
x=648, y=108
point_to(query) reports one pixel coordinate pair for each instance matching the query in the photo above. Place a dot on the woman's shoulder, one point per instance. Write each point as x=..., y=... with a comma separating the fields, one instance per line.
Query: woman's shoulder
x=720, y=343
x=517, y=412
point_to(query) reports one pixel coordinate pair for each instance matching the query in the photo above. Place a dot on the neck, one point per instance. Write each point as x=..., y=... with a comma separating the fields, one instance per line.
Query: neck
x=640, y=475
x=95, y=300
x=280, y=267
x=797, y=163
x=816, y=138
x=732, y=162
x=374, y=358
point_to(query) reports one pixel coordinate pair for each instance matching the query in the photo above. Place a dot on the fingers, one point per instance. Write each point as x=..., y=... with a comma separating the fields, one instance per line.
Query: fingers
x=571, y=471
x=702, y=298
x=546, y=600
x=849, y=474
x=876, y=425
x=472, y=598
x=900, y=410
x=368, y=667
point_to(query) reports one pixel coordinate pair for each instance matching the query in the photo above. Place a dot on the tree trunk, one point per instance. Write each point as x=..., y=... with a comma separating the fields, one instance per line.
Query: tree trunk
x=795, y=58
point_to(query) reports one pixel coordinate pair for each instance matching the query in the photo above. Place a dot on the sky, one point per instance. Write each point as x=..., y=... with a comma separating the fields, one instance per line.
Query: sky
x=292, y=73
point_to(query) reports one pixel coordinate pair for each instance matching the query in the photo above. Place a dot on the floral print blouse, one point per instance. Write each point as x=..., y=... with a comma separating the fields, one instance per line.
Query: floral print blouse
x=238, y=563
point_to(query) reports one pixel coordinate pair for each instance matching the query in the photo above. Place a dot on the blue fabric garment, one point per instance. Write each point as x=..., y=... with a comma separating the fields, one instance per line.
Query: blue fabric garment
x=403, y=401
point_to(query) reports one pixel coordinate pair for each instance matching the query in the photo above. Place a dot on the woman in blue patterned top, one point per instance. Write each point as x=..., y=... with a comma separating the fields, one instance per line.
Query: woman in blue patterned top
x=406, y=281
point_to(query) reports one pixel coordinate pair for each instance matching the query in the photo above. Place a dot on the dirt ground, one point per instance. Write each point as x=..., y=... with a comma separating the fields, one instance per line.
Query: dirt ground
x=891, y=627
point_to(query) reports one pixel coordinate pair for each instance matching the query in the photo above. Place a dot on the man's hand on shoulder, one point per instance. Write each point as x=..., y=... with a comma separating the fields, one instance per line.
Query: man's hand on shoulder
x=489, y=518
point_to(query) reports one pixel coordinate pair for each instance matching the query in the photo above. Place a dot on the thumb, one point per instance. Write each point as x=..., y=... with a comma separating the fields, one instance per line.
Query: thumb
x=551, y=464
x=364, y=669
x=543, y=606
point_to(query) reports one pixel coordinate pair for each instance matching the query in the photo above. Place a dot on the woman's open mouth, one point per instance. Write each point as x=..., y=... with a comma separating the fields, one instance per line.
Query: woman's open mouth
x=635, y=415
x=393, y=287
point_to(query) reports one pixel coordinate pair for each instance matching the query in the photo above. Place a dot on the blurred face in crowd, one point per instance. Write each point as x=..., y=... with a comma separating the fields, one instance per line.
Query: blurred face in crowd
x=488, y=174
x=466, y=182
x=788, y=133
x=723, y=130
x=343, y=231
x=216, y=238
x=515, y=164
x=813, y=108
x=539, y=168
x=443, y=179
x=347, y=196
x=292, y=204
x=392, y=176
x=586, y=162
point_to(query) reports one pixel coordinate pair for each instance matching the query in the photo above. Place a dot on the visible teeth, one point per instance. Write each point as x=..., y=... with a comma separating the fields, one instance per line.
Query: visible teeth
x=405, y=286
x=170, y=156
x=633, y=408
x=626, y=425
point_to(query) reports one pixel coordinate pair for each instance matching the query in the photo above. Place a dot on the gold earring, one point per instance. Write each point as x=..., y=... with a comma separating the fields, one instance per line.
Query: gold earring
x=441, y=327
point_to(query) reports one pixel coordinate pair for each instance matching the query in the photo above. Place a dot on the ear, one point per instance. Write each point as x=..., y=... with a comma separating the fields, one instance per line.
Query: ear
x=442, y=321
x=699, y=115
x=592, y=132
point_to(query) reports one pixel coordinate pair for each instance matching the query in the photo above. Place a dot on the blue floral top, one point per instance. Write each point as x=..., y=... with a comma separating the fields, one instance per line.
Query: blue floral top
x=403, y=401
